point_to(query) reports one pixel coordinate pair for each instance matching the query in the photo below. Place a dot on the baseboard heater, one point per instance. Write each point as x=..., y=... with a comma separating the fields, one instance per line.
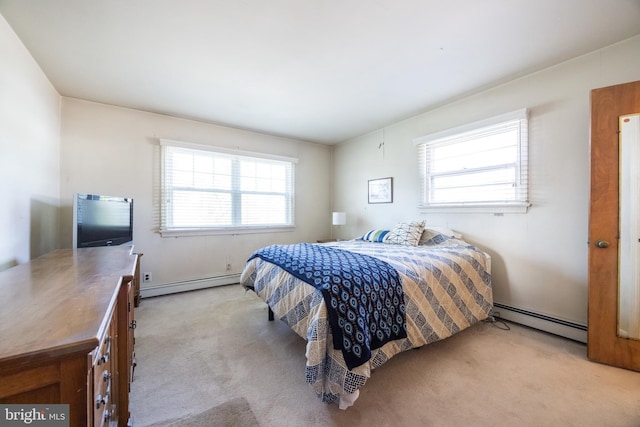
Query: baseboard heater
x=189, y=285
x=564, y=328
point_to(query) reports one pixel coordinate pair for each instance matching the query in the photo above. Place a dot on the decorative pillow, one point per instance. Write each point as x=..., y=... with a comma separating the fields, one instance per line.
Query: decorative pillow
x=431, y=233
x=406, y=233
x=377, y=236
x=435, y=239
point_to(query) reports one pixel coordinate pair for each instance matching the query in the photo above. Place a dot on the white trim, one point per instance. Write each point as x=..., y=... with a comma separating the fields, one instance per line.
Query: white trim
x=190, y=285
x=492, y=208
x=224, y=231
x=520, y=114
x=232, y=151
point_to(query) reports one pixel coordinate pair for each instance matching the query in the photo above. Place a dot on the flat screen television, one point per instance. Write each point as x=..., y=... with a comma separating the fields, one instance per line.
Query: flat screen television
x=102, y=220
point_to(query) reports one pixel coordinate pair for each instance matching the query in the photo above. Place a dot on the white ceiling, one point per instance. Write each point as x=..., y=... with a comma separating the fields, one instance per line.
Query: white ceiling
x=316, y=70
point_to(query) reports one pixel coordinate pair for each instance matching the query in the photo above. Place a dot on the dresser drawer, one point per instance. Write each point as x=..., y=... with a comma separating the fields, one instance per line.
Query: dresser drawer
x=104, y=369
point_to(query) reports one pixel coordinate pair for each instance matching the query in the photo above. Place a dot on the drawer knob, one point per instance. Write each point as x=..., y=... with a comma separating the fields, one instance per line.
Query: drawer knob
x=101, y=400
x=104, y=358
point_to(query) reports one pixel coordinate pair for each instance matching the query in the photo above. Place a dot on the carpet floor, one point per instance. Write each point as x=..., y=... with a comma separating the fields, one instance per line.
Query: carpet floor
x=199, y=350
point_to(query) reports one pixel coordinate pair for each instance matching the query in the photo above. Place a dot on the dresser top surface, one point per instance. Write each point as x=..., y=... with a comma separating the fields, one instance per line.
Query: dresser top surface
x=58, y=303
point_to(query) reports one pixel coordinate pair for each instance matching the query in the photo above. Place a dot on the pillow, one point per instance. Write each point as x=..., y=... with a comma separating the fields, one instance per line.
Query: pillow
x=446, y=231
x=406, y=233
x=434, y=239
x=377, y=236
x=431, y=233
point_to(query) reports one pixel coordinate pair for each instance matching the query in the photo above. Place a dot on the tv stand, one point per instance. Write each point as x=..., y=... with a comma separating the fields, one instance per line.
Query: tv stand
x=68, y=321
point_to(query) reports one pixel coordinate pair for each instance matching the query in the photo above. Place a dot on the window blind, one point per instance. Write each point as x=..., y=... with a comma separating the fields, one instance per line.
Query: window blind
x=211, y=188
x=482, y=164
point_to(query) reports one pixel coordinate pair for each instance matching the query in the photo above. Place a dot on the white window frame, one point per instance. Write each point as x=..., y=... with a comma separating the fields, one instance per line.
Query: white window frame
x=168, y=230
x=520, y=201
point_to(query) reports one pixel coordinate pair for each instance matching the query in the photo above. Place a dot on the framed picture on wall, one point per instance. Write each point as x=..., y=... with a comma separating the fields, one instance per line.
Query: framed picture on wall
x=381, y=190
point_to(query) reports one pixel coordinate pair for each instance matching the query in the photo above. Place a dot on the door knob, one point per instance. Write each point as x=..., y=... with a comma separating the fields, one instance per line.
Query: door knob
x=602, y=244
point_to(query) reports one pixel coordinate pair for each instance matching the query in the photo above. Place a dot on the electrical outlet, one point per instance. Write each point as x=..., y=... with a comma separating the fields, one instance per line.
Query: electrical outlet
x=147, y=277
x=228, y=266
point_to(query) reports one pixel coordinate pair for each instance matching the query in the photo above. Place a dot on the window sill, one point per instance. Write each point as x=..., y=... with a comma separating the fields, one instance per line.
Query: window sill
x=185, y=232
x=495, y=209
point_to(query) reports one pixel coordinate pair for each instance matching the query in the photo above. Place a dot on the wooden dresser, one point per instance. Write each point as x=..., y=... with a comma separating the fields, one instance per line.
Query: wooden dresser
x=66, y=332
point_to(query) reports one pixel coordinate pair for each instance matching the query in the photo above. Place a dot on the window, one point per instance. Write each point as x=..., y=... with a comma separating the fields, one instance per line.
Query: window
x=210, y=189
x=481, y=166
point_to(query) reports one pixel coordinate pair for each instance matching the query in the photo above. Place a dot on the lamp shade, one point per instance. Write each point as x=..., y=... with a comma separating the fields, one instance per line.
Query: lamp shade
x=339, y=218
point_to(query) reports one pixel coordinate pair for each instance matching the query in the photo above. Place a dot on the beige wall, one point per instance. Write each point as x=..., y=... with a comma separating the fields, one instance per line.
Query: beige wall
x=48, y=153
x=29, y=155
x=52, y=147
x=539, y=258
x=114, y=151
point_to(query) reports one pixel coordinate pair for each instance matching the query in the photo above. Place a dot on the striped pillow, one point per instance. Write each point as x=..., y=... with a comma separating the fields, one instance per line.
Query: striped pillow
x=406, y=233
x=377, y=236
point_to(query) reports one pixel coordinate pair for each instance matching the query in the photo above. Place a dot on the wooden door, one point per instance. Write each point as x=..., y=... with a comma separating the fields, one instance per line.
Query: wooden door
x=603, y=343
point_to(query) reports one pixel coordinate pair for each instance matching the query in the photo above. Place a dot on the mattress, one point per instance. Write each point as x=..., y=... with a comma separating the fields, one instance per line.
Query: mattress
x=446, y=285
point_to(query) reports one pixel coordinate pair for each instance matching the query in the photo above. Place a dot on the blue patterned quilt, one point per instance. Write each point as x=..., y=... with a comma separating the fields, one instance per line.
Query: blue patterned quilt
x=363, y=294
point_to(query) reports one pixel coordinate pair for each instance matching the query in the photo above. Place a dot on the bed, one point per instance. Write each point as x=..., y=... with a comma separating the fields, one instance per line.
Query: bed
x=432, y=284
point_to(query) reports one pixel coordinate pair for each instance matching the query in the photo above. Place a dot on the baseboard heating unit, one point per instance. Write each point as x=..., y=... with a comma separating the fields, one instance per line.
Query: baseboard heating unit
x=189, y=285
x=564, y=328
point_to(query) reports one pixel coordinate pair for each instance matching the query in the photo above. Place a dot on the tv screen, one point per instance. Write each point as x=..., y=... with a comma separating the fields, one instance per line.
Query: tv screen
x=102, y=220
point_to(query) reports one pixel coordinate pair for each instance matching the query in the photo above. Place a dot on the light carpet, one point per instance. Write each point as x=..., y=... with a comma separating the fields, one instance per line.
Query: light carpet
x=200, y=349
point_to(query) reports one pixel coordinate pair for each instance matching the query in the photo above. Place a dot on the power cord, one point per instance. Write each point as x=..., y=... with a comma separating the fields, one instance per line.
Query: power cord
x=495, y=320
